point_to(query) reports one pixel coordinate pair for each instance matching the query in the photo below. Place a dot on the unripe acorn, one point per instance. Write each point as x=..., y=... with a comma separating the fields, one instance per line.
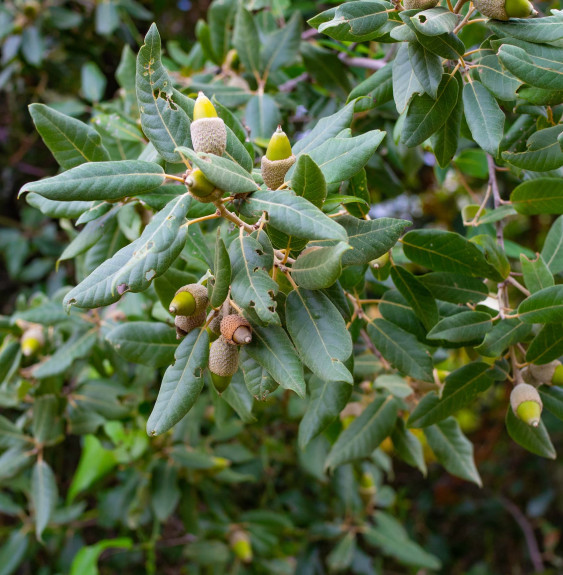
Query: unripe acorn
x=526, y=403
x=220, y=382
x=236, y=330
x=184, y=323
x=189, y=300
x=32, y=340
x=240, y=544
x=277, y=161
x=419, y=4
x=223, y=358
x=208, y=131
x=542, y=374
x=198, y=185
x=557, y=378
x=505, y=9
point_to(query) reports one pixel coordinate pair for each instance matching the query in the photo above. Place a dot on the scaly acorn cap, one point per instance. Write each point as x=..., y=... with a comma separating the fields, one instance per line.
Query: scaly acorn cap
x=505, y=9
x=543, y=373
x=419, y=4
x=215, y=323
x=185, y=323
x=236, y=330
x=240, y=544
x=273, y=172
x=208, y=131
x=223, y=358
x=32, y=340
x=199, y=294
x=526, y=403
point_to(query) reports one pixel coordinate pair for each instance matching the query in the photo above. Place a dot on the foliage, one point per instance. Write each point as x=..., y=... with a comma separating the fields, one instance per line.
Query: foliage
x=373, y=341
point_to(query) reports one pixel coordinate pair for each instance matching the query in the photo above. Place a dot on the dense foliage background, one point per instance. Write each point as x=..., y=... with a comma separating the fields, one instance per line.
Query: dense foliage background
x=177, y=503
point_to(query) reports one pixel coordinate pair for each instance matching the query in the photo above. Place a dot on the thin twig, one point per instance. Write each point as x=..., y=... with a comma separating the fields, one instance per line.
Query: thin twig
x=367, y=63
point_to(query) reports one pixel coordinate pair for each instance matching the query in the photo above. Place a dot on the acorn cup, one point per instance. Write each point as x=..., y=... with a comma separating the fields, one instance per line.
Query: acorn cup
x=277, y=161
x=214, y=327
x=419, y=4
x=537, y=375
x=208, y=131
x=236, y=330
x=526, y=403
x=223, y=363
x=505, y=9
x=185, y=323
x=189, y=300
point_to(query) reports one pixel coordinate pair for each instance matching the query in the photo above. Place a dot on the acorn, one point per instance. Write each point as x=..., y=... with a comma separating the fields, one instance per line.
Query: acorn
x=214, y=326
x=189, y=300
x=223, y=363
x=201, y=188
x=526, y=403
x=419, y=4
x=185, y=323
x=208, y=131
x=557, y=377
x=32, y=340
x=240, y=544
x=543, y=373
x=236, y=330
x=277, y=161
x=505, y=9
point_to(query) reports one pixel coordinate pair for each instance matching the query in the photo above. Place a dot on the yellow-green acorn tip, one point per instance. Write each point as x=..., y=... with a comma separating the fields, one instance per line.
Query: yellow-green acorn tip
x=526, y=403
x=557, y=377
x=203, y=107
x=220, y=463
x=279, y=147
x=183, y=303
x=220, y=382
x=32, y=341
x=504, y=10
x=240, y=544
x=198, y=184
x=367, y=481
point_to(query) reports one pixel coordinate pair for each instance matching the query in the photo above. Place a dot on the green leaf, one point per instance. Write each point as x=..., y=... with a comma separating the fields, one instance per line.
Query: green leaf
x=308, y=181
x=272, y=349
x=165, y=491
x=251, y=286
x=93, y=82
x=44, y=494
x=394, y=384
x=390, y=536
x=85, y=562
x=495, y=256
x=552, y=399
x=293, y=215
x=319, y=333
x=246, y=41
x=13, y=461
x=100, y=181
x=46, y=421
x=547, y=345
x=377, y=89
x=342, y=554
x=258, y=381
x=164, y=123
x=426, y=114
x=539, y=196
x=326, y=69
x=467, y=326
x=341, y=158
x=542, y=30
x=536, y=273
x=57, y=209
x=220, y=18
x=540, y=66
x=144, y=342
x=95, y=463
x=534, y=439
x=369, y=239
x=222, y=172
x=282, y=46
x=505, y=333
x=221, y=281
x=452, y=449
x=401, y=349
x=136, y=265
x=552, y=251
x=327, y=399
x=408, y=447
x=543, y=151
x=417, y=296
x=444, y=251
x=484, y=117
x=356, y=21
x=427, y=67
x=544, y=306
x=262, y=116
x=13, y=551
x=435, y=21
x=71, y=141
x=320, y=267
x=79, y=345
x=365, y=433
x=11, y=435
x=181, y=384
x=239, y=398
x=326, y=128
x=461, y=388
x=455, y=288
x=405, y=80
x=498, y=80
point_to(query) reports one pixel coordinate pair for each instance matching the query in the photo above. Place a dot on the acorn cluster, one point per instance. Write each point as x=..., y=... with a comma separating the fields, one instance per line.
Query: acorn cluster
x=228, y=330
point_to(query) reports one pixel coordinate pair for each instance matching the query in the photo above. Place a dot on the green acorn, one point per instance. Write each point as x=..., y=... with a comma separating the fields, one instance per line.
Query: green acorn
x=32, y=340
x=223, y=363
x=208, y=131
x=526, y=403
x=186, y=323
x=419, y=4
x=505, y=9
x=189, y=300
x=198, y=185
x=277, y=161
x=240, y=544
x=557, y=377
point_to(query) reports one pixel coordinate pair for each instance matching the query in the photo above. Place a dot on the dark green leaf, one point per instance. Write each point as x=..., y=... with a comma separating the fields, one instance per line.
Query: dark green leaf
x=552, y=251
x=544, y=306
x=539, y=196
x=221, y=274
x=547, y=345
x=534, y=439
x=320, y=267
x=455, y=288
x=505, y=333
x=467, y=326
x=44, y=494
x=536, y=273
